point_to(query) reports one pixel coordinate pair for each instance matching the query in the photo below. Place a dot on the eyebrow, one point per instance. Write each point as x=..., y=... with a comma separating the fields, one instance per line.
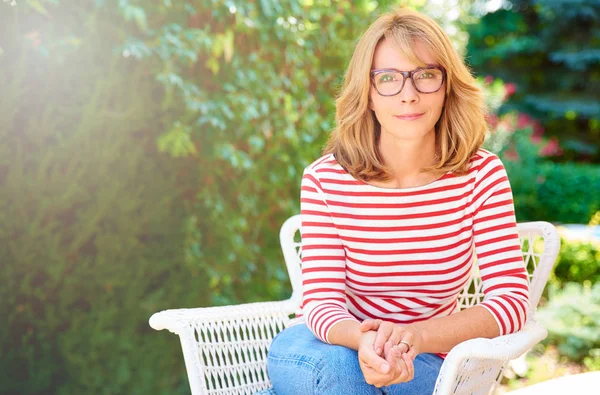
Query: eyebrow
x=427, y=66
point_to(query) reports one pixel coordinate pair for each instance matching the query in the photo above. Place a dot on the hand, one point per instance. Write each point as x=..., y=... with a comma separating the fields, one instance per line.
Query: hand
x=379, y=371
x=389, y=337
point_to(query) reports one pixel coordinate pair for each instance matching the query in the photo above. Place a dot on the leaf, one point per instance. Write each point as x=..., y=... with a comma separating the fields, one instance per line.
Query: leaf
x=37, y=5
x=266, y=7
x=228, y=45
x=177, y=141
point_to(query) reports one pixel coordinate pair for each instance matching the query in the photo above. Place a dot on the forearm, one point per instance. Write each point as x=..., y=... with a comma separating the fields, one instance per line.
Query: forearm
x=345, y=333
x=440, y=335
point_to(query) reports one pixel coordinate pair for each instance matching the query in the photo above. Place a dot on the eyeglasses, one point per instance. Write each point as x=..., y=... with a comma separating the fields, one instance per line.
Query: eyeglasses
x=389, y=82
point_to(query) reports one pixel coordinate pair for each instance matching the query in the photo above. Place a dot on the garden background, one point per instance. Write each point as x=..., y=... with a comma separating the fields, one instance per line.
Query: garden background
x=150, y=151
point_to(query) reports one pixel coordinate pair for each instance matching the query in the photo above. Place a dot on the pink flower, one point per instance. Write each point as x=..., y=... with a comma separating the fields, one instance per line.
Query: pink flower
x=538, y=132
x=492, y=120
x=552, y=148
x=509, y=90
x=523, y=120
x=511, y=155
x=488, y=79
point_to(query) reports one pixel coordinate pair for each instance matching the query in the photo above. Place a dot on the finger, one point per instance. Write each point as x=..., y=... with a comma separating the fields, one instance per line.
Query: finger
x=369, y=325
x=370, y=375
x=390, y=353
x=368, y=370
x=409, y=338
x=375, y=378
x=374, y=361
x=397, y=335
x=410, y=366
x=412, y=353
x=399, y=372
x=381, y=380
x=383, y=334
x=396, y=352
x=395, y=338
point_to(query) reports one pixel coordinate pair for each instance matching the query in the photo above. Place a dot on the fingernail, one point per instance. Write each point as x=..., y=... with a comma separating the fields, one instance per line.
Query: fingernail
x=378, y=351
x=385, y=367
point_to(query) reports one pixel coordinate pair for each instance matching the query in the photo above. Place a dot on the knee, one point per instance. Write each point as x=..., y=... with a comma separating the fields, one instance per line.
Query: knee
x=339, y=373
x=336, y=357
x=322, y=370
x=293, y=374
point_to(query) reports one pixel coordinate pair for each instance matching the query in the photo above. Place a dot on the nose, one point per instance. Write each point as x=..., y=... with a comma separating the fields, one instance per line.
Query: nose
x=409, y=94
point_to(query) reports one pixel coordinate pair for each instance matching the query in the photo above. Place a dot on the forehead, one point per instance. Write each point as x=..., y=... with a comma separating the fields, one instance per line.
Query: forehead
x=389, y=56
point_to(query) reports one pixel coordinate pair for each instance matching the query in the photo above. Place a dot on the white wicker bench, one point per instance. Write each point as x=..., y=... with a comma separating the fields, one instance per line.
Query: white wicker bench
x=225, y=348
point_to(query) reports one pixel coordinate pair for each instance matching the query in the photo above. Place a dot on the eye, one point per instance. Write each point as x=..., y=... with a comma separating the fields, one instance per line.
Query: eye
x=426, y=75
x=386, y=77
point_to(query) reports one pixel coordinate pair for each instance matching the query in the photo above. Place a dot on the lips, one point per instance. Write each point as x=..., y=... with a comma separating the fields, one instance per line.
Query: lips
x=409, y=117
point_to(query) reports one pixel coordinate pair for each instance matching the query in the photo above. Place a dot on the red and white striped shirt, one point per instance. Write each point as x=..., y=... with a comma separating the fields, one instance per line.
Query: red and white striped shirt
x=404, y=255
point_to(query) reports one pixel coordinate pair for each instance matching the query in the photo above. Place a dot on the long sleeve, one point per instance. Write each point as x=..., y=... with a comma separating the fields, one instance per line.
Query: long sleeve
x=323, y=262
x=497, y=247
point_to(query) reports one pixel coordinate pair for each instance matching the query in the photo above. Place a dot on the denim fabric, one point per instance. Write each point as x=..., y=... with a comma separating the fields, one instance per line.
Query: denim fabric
x=268, y=391
x=301, y=364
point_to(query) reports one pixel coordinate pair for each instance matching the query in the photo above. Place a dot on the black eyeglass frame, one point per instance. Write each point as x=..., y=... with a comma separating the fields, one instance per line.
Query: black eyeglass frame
x=407, y=75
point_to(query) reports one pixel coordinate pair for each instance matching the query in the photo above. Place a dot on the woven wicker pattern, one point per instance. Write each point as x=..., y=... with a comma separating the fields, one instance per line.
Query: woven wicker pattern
x=225, y=348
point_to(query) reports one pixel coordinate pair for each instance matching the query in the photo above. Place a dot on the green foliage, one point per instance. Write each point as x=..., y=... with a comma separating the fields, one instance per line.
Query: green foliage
x=592, y=361
x=578, y=261
x=93, y=228
x=543, y=190
x=572, y=318
x=251, y=87
x=550, y=50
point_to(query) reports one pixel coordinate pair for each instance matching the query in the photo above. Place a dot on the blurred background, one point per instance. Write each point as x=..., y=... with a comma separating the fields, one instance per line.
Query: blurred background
x=150, y=151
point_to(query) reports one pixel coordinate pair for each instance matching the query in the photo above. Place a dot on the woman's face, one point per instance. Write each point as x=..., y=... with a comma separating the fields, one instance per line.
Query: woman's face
x=393, y=112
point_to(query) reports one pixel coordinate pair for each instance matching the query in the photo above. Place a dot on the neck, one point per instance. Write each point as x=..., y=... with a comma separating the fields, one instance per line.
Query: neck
x=406, y=158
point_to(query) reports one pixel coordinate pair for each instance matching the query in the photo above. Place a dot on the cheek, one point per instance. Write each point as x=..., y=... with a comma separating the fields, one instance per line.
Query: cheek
x=372, y=100
x=437, y=104
x=377, y=104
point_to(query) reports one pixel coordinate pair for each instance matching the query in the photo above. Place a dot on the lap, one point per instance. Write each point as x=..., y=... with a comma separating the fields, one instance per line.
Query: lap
x=299, y=363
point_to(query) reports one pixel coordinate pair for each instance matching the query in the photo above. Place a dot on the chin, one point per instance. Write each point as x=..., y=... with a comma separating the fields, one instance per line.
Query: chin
x=400, y=131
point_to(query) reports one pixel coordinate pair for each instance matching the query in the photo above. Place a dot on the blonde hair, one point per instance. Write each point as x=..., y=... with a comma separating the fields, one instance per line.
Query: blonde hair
x=460, y=131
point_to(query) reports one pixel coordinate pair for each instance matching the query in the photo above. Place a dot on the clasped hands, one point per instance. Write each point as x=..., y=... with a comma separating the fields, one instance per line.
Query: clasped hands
x=386, y=352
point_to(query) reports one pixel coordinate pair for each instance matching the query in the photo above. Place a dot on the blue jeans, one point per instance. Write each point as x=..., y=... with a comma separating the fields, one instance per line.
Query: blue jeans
x=301, y=364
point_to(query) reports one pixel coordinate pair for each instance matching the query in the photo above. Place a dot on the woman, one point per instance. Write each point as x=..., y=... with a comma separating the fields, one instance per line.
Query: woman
x=392, y=215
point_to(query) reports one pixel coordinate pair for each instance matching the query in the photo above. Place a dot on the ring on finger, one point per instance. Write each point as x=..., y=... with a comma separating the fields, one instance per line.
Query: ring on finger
x=407, y=344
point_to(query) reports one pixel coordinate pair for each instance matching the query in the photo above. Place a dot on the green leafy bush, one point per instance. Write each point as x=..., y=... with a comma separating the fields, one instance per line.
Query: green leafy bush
x=547, y=50
x=543, y=190
x=572, y=317
x=92, y=220
x=578, y=261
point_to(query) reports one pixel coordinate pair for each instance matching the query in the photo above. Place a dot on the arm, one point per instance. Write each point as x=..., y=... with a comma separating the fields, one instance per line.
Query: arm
x=499, y=255
x=502, y=271
x=323, y=268
x=500, y=261
x=440, y=335
x=346, y=333
x=324, y=287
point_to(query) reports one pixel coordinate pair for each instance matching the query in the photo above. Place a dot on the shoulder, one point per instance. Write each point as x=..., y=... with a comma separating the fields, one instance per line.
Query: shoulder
x=326, y=170
x=325, y=165
x=489, y=174
x=325, y=162
x=484, y=163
